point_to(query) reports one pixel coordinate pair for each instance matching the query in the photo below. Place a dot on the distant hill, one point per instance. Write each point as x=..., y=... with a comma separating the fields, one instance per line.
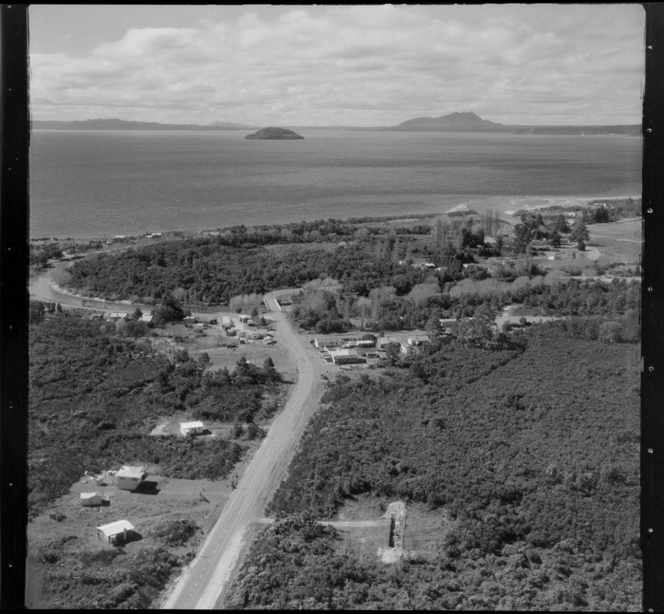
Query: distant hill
x=471, y=122
x=454, y=122
x=273, y=133
x=121, y=124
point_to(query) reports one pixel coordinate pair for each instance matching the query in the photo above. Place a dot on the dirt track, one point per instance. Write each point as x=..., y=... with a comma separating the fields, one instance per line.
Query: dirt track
x=203, y=581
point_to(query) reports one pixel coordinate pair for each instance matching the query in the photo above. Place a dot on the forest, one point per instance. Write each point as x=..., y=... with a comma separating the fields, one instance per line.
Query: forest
x=532, y=450
x=95, y=396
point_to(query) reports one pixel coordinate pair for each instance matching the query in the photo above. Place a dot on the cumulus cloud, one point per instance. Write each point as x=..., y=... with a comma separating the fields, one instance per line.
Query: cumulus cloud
x=360, y=64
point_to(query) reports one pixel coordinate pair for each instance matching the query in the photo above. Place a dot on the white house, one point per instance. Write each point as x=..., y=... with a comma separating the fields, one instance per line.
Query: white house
x=116, y=533
x=89, y=499
x=130, y=478
x=191, y=428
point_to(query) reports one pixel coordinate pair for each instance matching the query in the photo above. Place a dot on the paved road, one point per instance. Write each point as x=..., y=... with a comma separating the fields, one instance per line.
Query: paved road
x=201, y=584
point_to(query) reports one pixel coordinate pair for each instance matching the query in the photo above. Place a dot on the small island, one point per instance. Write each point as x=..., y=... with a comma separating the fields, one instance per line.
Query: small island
x=274, y=133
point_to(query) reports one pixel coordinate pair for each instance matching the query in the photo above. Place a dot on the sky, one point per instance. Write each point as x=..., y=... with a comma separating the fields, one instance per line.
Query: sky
x=359, y=65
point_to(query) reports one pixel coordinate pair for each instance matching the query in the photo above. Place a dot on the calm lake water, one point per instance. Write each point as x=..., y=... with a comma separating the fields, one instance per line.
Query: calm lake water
x=99, y=183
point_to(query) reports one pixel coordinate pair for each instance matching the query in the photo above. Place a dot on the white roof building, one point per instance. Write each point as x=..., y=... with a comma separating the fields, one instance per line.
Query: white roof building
x=130, y=478
x=129, y=471
x=191, y=428
x=90, y=498
x=116, y=532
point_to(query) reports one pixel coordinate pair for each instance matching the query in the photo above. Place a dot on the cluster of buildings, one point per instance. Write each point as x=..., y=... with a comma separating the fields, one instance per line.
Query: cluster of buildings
x=130, y=478
x=353, y=350
x=245, y=329
x=119, y=315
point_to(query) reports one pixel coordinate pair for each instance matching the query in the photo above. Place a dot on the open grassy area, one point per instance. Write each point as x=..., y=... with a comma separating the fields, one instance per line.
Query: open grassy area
x=618, y=241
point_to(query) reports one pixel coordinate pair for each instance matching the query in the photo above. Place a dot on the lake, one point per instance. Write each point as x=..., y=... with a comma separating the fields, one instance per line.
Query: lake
x=105, y=183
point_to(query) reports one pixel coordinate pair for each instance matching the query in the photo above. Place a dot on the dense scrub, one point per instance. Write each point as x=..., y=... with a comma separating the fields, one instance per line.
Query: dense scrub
x=534, y=452
x=209, y=271
x=297, y=564
x=94, y=397
x=110, y=578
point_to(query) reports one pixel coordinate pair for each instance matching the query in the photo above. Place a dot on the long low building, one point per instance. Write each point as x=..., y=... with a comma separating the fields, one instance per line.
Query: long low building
x=345, y=357
x=191, y=428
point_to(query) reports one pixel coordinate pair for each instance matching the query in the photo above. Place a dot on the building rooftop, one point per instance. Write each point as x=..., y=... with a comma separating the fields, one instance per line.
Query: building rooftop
x=131, y=472
x=116, y=527
x=336, y=353
x=192, y=425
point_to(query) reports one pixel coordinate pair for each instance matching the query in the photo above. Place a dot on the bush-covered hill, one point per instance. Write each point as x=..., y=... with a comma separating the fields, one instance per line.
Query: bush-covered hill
x=212, y=272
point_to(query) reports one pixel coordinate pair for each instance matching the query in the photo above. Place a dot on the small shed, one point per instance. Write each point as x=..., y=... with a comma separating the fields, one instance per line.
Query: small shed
x=243, y=318
x=116, y=533
x=191, y=428
x=130, y=478
x=147, y=317
x=90, y=499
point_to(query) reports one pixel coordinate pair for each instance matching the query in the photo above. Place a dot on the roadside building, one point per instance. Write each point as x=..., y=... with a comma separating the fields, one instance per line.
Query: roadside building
x=147, y=317
x=116, y=533
x=117, y=315
x=327, y=342
x=345, y=357
x=90, y=499
x=130, y=478
x=243, y=318
x=366, y=343
x=418, y=340
x=191, y=428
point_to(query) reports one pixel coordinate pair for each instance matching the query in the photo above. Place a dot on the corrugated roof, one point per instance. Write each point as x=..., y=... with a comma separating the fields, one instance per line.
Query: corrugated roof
x=192, y=425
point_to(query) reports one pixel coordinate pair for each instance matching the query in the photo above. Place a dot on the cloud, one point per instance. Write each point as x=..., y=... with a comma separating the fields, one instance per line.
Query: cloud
x=322, y=65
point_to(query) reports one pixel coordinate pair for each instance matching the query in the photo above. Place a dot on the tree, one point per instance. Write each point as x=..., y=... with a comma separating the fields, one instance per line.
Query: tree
x=601, y=215
x=580, y=231
x=561, y=225
x=478, y=330
x=392, y=350
x=611, y=332
x=169, y=311
x=523, y=235
x=555, y=239
x=271, y=373
x=138, y=314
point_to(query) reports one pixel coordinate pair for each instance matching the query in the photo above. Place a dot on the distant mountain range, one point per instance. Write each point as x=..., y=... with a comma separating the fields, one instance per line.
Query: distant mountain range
x=121, y=124
x=454, y=122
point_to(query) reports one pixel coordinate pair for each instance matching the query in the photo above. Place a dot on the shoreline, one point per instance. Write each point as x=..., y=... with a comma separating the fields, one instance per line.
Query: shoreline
x=501, y=204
